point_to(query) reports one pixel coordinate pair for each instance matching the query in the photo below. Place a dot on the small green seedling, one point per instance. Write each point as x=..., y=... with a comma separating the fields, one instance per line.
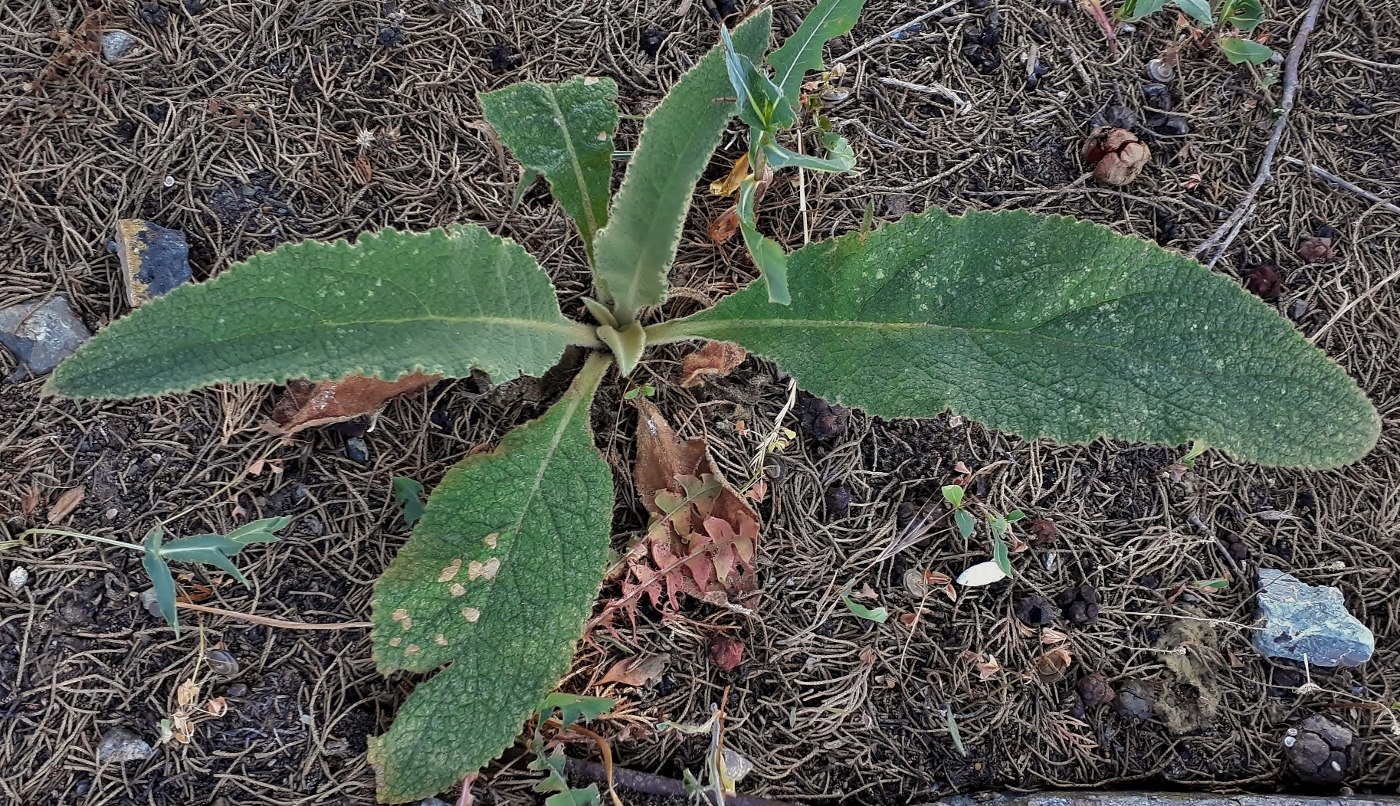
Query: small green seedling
x=210, y=549
x=1040, y=326
x=645, y=390
x=1241, y=16
x=953, y=494
x=409, y=493
x=879, y=615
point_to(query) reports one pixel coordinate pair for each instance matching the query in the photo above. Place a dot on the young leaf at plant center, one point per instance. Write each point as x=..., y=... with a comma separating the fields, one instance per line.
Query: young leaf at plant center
x=767, y=254
x=210, y=549
x=1240, y=51
x=442, y=302
x=634, y=251
x=760, y=101
x=953, y=494
x=879, y=615
x=1047, y=327
x=1198, y=10
x=304, y=404
x=564, y=131
x=1245, y=15
x=495, y=585
x=801, y=53
x=409, y=493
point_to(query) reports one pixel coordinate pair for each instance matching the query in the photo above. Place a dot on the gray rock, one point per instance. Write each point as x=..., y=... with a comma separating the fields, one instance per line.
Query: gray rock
x=116, y=44
x=41, y=334
x=154, y=259
x=1308, y=620
x=120, y=745
x=1320, y=751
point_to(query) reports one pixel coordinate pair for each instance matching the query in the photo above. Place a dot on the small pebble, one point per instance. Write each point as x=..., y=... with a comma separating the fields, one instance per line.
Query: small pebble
x=19, y=577
x=1035, y=611
x=41, y=334
x=222, y=662
x=236, y=691
x=357, y=450
x=1159, y=71
x=116, y=44
x=838, y=500
x=120, y=745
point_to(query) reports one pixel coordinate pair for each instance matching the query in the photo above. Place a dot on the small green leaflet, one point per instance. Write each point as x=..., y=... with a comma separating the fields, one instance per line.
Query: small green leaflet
x=1134, y=11
x=879, y=615
x=554, y=766
x=1245, y=15
x=1001, y=554
x=209, y=549
x=1207, y=585
x=1239, y=51
x=409, y=493
x=573, y=707
x=953, y=494
x=965, y=522
x=841, y=157
x=802, y=52
x=1198, y=10
x=767, y=254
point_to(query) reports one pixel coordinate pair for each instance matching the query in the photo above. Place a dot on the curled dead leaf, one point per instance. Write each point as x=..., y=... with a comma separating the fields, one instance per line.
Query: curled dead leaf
x=726, y=185
x=636, y=671
x=1117, y=155
x=715, y=360
x=726, y=653
x=216, y=707
x=727, y=223
x=306, y=405
x=186, y=693
x=1051, y=666
x=986, y=665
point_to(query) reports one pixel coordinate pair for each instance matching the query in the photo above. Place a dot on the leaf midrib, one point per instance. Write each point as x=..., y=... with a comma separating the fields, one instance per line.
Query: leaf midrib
x=575, y=165
x=797, y=53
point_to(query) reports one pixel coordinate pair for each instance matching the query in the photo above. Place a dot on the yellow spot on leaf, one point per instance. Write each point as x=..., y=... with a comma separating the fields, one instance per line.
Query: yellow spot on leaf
x=450, y=571
x=458, y=589
x=412, y=649
x=471, y=614
x=405, y=621
x=491, y=539
x=395, y=641
x=440, y=639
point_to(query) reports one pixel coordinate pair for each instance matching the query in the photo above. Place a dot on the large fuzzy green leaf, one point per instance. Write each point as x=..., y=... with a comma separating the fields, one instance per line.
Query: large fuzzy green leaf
x=1048, y=327
x=564, y=131
x=802, y=52
x=634, y=251
x=439, y=302
x=495, y=584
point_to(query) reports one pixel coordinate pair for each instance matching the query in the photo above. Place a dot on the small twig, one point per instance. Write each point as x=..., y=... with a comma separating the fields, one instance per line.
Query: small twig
x=1317, y=334
x=274, y=622
x=959, y=105
x=1226, y=234
x=1095, y=9
x=1332, y=179
x=894, y=31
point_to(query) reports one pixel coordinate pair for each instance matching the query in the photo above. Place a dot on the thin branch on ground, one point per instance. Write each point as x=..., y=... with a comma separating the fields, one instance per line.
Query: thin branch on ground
x=890, y=34
x=1228, y=231
x=274, y=622
x=1333, y=180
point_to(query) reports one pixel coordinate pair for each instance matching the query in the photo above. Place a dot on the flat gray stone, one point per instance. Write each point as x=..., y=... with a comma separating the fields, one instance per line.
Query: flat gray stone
x=1308, y=621
x=154, y=259
x=41, y=334
x=120, y=745
x=116, y=44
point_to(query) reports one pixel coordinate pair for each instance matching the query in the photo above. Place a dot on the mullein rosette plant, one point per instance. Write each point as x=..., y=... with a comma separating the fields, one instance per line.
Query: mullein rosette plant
x=1040, y=326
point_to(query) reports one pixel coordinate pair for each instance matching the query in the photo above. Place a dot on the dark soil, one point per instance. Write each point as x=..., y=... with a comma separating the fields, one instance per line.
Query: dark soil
x=278, y=122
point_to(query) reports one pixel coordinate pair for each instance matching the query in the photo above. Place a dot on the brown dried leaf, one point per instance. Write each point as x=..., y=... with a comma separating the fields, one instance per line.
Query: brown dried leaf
x=636, y=671
x=186, y=693
x=306, y=405
x=29, y=502
x=730, y=182
x=1052, y=666
x=66, y=503
x=216, y=707
x=726, y=653
x=1051, y=636
x=715, y=360
x=727, y=223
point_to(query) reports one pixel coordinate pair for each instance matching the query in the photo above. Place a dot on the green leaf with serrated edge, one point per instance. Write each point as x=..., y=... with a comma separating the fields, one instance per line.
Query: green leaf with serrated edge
x=495, y=584
x=162, y=582
x=879, y=615
x=1246, y=15
x=1198, y=10
x=438, y=302
x=1048, y=327
x=572, y=707
x=634, y=251
x=767, y=254
x=564, y=131
x=409, y=493
x=1239, y=51
x=802, y=52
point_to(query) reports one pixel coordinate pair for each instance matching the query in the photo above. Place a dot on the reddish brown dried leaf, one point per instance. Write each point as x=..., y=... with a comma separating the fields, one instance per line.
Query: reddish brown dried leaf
x=636, y=671
x=66, y=503
x=306, y=405
x=726, y=653
x=1052, y=666
x=715, y=360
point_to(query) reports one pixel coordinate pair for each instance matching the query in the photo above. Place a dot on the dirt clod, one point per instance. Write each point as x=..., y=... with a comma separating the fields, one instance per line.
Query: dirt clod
x=838, y=500
x=1035, y=611
x=154, y=14
x=651, y=41
x=1320, y=751
x=823, y=420
x=1263, y=282
x=503, y=58
x=1094, y=690
x=1135, y=700
x=1314, y=249
x=726, y=653
x=1044, y=532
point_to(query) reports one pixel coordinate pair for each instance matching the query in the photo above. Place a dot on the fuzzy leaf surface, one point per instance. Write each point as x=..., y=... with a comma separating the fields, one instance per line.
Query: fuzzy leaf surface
x=564, y=131
x=439, y=302
x=494, y=585
x=802, y=52
x=1048, y=327
x=634, y=251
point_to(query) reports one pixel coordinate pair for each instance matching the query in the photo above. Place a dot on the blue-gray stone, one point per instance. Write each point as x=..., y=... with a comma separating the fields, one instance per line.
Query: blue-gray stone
x=1308, y=621
x=116, y=44
x=154, y=259
x=41, y=334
